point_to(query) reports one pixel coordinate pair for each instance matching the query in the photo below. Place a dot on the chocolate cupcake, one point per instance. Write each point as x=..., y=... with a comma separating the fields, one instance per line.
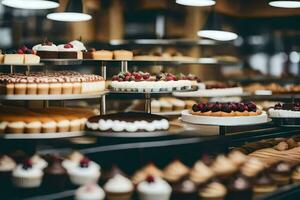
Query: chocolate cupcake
x=263, y=184
x=281, y=173
x=55, y=176
x=185, y=189
x=175, y=171
x=239, y=187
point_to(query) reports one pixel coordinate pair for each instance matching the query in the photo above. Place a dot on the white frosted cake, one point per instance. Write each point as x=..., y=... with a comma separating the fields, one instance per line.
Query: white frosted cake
x=285, y=111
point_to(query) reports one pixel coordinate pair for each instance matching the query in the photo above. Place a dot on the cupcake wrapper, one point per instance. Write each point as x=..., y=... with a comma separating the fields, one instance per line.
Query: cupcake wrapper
x=118, y=196
x=22, y=182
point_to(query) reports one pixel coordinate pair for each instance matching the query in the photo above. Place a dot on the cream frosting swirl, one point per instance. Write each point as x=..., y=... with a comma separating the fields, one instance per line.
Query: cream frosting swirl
x=175, y=170
x=118, y=184
x=200, y=173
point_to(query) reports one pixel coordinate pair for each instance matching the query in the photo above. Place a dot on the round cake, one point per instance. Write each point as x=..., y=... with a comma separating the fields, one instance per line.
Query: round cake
x=225, y=114
x=286, y=110
x=128, y=122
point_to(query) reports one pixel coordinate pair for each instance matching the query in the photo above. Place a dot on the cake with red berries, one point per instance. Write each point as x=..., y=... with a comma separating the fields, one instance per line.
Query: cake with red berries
x=145, y=82
x=46, y=50
x=225, y=114
x=286, y=110
x=69, y=51
x=23, y=55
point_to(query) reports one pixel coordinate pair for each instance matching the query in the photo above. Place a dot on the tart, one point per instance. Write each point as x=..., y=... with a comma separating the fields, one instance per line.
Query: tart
x=128, y=122
x=286, y=110
x=46, y=50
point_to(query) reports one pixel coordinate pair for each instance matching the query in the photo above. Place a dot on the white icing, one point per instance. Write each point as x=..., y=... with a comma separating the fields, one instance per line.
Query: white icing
x=32, y=172
x=16, y=125
x=93, y=126
x=40, y=47
x=79, y=45
x=38, y=162
x=62, y=48
x=283, y=113
x=118, y=184
x=83, y=175
x=90, y=191
x=159, y=189
x=34, y=125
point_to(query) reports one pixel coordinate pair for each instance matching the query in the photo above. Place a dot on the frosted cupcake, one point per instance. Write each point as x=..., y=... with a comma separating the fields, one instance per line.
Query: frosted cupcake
x=118, y=188
x=90, y=191
x=7, y=165
x=86, y=172
x=175, y=171
x=38, y=162
x=213, y=191
x=154, y=188
x=27, y=175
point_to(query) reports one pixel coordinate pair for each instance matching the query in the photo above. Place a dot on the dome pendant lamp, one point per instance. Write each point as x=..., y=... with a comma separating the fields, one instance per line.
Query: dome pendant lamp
x=73, y=13
x=284, y=4
x=214, y=30
x=199, y=3
x=31, y=4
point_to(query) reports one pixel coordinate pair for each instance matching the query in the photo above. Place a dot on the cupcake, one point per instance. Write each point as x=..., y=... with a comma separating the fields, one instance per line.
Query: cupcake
x=239, y=187
x=7, y=165
x=87, y=171
x=213, y=191
x=237, y=157
x=27, y=175
x=252, y=167
x=223, y=167
x=200, y=173
x=123, y=55
x=148, y=170
x=281, y=173
x=118, y=188
x=175, y=171
x=106, y=175
x=90, y=191
x=72, y=160
x=55, y=176
x=296, y=175
x=38, y=162
x=154, y=188
x=263, y=184
x=185, y=189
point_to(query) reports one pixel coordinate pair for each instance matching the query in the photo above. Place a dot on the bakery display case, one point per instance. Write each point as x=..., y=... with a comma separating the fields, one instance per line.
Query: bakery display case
x=148, y=101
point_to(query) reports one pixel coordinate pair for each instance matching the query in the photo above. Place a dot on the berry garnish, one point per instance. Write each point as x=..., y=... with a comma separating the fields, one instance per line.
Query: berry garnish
x=150, y=179
x=138, y=76
x=68, y=46
x=20, y=51
x=24, y=48
x=146, y=76
x=27, y=164
x=196, y=108
x=28, y=51
x=84, y=163
x=278, y=106
x=127, y=74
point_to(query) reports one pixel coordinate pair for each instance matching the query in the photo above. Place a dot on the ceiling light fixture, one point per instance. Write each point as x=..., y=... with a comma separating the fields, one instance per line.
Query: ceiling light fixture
x=199, y=3
x=31, y=4
x=73, y=13
x=285, y=4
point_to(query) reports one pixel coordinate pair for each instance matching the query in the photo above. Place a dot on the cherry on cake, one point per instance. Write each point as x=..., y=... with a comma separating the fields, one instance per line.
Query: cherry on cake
x=46, y=50
x=145, y=82
x=286, y=110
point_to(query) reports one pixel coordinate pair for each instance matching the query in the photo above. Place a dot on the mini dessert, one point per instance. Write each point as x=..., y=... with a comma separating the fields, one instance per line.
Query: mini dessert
x=263, y=184
x=184, y=189
x=175, y=171
x=281, y=173
x=118, y=187
x=46, y=50
x=55, y=177
x=166, y=106
x=106, y=175
x=7, y=165
x=223, y=167
x=239, y=187
x=128, y=122
x=103, y=55
x=154, y=188
x=38, y=162
x=213, y=191
x=200, y=173
x=72, y=160
x=123, y=55
x=14, y=58
x=87, y=171
x=69, y=51
x=296, y=175
x=148, y=170
x=285, y=110
x=90, y=191
x=237, y=157
x=26, y=175
x=252, y=167
x=145, y=82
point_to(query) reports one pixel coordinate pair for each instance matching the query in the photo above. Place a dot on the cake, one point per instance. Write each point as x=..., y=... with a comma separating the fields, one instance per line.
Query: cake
x=118, y=187
x=29, y=55
x=128, y=122
x=108, y=174
x=123, y=55
x=14, y=58
x=26, y=175
x=103, y=55
x=89, y=53
x=69, y=51
x=154, y=188
x=90, y=191
x=286, y=110
x=87, y=171
x=72, y=160
x=145, y=82
x=225, y=114
x=223, y=167
x=46, y=50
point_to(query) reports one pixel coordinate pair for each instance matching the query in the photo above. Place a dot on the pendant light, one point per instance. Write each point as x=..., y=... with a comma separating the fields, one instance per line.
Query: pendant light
x=214, y=30
x=31, y=4
x=73, y=13
x=285, y=4
x=199, y=3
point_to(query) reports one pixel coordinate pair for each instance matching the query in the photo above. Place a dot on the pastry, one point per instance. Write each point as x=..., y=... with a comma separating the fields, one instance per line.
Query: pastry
x=46, y=50
x=175, y=171
x=148, y=170
x=90, y=191
x=263, y=184
x=200, y=173
x=154, y=188
x=128, y=122
x=281, y=173
x=213, y=191
x=155, y=106
x=89, y=54
x=118, y=188
x=237, y=157
x=166, y=106
x=68, y=51
x=239, y=187
x=252, y=167
x=103, y=55
x=1, y=57
x=123, y=55
x=26, y=175
x=87, y=171
x=223, y=167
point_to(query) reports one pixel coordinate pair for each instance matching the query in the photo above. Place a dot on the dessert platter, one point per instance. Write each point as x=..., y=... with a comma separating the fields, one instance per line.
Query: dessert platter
x=285, y=114
x=214, y=90
x=144, y=82
x=43, y=123
x=225, y=114
x=131, y=124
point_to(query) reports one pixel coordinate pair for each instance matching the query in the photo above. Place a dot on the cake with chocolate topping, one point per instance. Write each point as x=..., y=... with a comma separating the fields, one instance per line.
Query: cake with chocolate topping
x=286, y=110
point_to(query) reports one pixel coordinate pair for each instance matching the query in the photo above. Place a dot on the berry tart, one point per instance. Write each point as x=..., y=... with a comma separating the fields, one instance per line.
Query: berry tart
x=225, y=114
x=46, y=50
x=128, y=122
x=287, y=114
x=145, y=82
